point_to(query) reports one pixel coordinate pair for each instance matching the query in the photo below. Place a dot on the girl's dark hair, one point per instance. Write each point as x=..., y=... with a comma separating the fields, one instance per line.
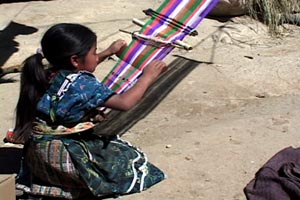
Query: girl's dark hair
x=59, y=43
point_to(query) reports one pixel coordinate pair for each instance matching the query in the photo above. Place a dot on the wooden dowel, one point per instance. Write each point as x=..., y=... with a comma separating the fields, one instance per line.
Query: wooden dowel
x=178, y=42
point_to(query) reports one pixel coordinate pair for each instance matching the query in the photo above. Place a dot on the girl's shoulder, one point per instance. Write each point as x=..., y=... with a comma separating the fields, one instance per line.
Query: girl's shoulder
x=86, y=73
x=66, y=73
x=73, y=76
x=65, y=80
x=87, y=77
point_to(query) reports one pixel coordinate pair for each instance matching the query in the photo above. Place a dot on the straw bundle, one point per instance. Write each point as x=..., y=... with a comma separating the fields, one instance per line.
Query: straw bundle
x=275, y=12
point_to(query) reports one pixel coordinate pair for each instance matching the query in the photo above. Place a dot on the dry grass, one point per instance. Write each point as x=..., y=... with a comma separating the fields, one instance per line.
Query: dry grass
x=273, y=12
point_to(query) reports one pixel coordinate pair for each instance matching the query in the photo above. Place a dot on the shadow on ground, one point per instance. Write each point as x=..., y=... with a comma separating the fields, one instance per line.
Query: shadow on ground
x=8, y=46
x=118, y=122
x=16, y=1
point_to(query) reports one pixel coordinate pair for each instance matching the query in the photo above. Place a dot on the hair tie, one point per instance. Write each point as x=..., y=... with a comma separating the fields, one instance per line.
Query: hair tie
x=44, y=60
x=40, y=51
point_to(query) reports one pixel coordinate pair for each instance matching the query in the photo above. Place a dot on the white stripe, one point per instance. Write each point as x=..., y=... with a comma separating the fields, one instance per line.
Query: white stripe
x=135, y=177
x=134, y=172
x=68, y=163
x=142, y=168
x=172, y=15
x=203, y=7
x=66, y=84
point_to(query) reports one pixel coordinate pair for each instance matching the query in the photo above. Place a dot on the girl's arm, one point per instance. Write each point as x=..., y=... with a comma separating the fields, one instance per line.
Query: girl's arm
x=130, y=98
x=115, y=48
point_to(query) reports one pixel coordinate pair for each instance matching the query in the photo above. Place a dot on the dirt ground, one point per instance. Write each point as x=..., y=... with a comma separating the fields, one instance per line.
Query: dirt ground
x=223, y=121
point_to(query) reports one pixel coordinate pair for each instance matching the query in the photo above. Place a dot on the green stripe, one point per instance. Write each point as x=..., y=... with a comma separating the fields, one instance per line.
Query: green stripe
x=148, y=23
x=119, y=60
x=142, y=60
x=152, y=19
x=190, y=10
x=117, y=86
x=127, y=76
x=163, y=5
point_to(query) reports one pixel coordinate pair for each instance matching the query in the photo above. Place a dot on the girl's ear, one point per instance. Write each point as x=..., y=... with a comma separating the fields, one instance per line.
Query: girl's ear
x=74, y=61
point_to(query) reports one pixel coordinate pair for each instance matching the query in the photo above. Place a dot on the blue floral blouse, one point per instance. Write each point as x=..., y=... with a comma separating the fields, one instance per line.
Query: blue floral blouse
x=72, y=95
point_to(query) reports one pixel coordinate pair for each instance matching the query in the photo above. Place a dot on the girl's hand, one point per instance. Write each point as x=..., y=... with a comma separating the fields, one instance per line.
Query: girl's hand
x=154, y=69
x=131, y=97
x=117, y=47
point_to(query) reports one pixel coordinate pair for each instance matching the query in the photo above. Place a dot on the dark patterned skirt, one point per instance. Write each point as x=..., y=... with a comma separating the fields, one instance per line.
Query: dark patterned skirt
x=81, y=165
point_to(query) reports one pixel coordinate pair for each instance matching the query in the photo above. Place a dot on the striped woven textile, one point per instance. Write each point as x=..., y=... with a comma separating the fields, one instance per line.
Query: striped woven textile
x=172, y=21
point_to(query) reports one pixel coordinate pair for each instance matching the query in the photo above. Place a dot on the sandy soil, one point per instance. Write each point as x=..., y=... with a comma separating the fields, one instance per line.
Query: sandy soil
x=220, y=124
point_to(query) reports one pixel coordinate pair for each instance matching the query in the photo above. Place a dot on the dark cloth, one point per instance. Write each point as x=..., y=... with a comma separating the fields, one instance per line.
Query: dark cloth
x=102, y=167
x=278, y=179
x=10, y=159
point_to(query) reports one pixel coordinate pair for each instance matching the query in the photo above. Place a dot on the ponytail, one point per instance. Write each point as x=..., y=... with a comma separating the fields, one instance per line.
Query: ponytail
x=33, y=84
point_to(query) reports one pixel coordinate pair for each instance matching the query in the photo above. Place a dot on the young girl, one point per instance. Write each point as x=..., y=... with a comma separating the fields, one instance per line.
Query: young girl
x=55, y=116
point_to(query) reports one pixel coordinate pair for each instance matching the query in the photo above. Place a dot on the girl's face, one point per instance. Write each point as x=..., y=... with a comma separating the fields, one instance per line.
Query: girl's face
x=90, y=61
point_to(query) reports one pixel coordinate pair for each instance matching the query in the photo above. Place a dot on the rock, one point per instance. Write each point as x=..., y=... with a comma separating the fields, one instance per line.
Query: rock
x=228, y=8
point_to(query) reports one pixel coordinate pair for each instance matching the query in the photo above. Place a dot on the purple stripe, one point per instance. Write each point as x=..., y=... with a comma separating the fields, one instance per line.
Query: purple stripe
x=113, y=77
x=181, y=36
x=150, y=32
x=126, y=63
x=163, y=53
x=201, y=16
x=205, y=12
x=166, y=50
x=152, y=29
x=169, y=11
